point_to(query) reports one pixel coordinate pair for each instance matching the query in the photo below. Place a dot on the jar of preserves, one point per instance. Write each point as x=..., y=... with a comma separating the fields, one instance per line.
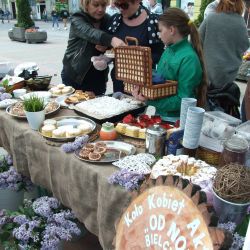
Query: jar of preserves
x=235, y=150
x=108, y=132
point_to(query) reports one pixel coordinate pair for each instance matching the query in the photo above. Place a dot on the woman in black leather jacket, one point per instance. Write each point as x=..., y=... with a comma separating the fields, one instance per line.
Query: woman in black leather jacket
x=86, y=38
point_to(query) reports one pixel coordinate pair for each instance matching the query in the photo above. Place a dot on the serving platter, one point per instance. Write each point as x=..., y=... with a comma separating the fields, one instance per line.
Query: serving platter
x=63, y=94
x=55, y=107
x=115, y=151
x=40, y=94
x=61, y=100
x=69, y=121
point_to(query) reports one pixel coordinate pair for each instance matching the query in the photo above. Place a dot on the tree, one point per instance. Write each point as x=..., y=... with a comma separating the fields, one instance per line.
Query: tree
x=23, y=15
x=204, y=4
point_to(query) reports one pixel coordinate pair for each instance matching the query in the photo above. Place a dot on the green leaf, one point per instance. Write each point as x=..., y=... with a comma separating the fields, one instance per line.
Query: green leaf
x=4, y=236
x=242, y=228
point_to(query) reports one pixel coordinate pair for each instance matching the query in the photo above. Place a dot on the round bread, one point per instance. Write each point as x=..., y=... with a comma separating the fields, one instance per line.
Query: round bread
x=47, y=130
x=66, y=90
x=72, y=132
x=71, y=99
x=95, y=156
x=58, y=133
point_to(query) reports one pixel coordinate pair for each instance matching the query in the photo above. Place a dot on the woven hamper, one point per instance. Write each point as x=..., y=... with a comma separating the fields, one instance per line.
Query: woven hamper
x=134, y=68
x=208, y=155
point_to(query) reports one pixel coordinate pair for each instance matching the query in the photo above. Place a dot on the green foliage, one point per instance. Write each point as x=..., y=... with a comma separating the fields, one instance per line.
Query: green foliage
x=4, y=166
x=23, y=14
x=204, y=4
x=5, y=84
x=33, y=104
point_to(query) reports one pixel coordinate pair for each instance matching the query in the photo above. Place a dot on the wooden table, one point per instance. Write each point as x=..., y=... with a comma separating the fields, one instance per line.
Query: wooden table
x=79, y=185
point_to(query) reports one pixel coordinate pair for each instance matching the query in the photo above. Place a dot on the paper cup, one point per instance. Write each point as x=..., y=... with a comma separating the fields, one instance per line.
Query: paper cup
x=185, y=104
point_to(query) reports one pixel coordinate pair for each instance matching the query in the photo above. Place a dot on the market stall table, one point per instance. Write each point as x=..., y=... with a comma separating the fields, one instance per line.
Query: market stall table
x=79, y=185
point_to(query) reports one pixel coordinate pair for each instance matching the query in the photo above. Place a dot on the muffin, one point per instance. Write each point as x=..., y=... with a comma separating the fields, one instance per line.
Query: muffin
x=58, y=133
x=73, y=132
x=50, y=122
x=47, y=130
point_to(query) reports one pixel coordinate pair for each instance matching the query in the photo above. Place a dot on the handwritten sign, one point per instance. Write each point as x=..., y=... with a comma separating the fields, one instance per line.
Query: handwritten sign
x=163, y=217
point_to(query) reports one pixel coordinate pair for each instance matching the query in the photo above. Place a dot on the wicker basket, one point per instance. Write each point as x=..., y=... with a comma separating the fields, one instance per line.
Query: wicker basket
x=134, y=68
x=208, y=155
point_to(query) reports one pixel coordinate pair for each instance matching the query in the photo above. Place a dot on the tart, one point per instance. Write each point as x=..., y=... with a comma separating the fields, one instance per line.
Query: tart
x=100, y=150
x=90, y=147
x=100, y=144
x=84, y=153
x=94, y=156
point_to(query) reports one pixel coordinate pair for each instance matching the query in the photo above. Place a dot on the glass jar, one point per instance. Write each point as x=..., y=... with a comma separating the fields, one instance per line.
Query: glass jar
x=108, y=132
x=235, y=150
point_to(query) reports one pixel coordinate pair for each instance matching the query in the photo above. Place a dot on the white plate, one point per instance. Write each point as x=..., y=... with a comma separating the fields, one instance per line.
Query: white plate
x=7, y=102
x=40, y=94
x=66, y=94
x=60, y=100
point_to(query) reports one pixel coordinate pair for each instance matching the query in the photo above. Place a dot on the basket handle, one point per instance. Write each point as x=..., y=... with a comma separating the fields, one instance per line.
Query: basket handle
x=131, y=39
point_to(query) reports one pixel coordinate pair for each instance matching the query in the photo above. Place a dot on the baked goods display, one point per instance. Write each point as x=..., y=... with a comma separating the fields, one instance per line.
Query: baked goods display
x=79, y=96
x=196, y=171
x=93, y=152
x=96, y=107
x=61, y=89
x=63, y=128
x=17, y=109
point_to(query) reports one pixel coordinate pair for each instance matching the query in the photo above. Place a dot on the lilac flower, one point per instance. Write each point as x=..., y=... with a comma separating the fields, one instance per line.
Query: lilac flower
x=238, y=242
x=4, y=96
x=9, y=160
x=2, y=90
x=21, y=219
x=129, y=180
x=78, y=143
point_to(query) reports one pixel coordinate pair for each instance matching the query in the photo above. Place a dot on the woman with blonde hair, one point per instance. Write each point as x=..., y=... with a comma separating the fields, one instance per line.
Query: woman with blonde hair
x=86, y=38
x=181, y=61
x=225, y=39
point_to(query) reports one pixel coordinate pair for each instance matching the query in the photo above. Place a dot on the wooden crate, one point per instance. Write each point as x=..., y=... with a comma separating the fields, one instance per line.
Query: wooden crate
x=134, y=68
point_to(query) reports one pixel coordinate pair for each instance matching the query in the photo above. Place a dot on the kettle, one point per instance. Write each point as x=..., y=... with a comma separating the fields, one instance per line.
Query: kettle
x=155, y=140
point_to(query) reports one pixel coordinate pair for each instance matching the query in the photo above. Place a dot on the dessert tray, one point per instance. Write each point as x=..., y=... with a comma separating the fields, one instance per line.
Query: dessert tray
x=40, y=94
x=61, y=90
x=105, y=151
x=17, y=110
x=106, y=108
x=66, y=128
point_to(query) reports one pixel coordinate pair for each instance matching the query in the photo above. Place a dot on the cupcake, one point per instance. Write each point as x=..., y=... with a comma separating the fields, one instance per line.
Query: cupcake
x=50, y=122
x=47, y=130
x=72, y=132
x=85, y=128
x=58, y=133
x=142, y=133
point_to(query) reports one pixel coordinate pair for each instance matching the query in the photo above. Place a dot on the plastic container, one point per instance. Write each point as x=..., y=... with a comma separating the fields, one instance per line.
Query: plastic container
x=230, y=120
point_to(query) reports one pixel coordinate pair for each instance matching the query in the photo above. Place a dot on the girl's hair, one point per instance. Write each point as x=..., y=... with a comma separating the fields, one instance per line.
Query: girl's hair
x=231, y=6
x=179, y=19
x=85, y=3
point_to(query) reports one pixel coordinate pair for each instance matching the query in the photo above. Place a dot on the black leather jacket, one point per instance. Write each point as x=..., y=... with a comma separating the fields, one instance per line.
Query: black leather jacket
x=83, y=37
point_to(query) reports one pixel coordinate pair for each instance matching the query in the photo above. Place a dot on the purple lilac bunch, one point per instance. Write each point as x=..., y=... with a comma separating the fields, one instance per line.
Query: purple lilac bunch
x=78, y=143
x=127, y=179
x=41, y=224
x=10, y=178
x=4, y=96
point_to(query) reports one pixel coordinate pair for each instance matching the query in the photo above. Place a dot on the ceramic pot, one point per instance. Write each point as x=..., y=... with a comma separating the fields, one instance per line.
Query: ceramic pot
x=35, y=119
x=10, y=200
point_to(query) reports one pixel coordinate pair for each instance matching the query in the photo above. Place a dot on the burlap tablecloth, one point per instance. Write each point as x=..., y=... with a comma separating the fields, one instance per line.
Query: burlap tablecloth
x=79, y=185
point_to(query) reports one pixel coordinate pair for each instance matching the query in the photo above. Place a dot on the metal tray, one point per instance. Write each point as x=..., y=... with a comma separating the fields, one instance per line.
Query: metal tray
x=65, y=139
x=115, y=151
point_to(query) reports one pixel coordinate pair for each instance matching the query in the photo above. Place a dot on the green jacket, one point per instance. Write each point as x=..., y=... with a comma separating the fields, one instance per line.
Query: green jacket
x=181, y=63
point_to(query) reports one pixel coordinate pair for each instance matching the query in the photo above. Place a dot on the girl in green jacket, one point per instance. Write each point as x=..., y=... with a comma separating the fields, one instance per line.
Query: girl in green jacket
x=181, y=61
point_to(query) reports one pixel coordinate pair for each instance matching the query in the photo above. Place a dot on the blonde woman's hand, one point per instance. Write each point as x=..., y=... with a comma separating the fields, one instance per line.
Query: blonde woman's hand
x=137, y=95
x=116, y=42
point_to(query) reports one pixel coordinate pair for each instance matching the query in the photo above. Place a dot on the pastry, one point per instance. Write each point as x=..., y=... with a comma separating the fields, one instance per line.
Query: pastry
x=84, y=153
x=100, y=144
x=66, y=90
x=100, y=150
x=60, y=86
x=58, y=133
x=132, y=131
x=56, y=91
x=95, y=156
x=47, y=130
x=142, y=133
x=85, y=128
x=90, y=147
x=50, y=122
x=72, y=132
x=121, y=128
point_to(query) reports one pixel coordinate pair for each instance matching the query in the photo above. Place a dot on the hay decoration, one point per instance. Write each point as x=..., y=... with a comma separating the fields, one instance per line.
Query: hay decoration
x=232, y=183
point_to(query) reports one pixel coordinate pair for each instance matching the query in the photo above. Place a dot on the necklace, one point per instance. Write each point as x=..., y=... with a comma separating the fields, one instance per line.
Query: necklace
x=136, y=14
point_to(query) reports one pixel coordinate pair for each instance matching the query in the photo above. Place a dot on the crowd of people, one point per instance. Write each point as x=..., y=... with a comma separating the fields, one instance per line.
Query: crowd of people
x=204, y=62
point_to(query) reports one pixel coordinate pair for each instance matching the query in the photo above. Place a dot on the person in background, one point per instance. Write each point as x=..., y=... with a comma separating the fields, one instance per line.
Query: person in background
x=7, y=14
x=2, y=15
x=64, y=16
x=211, y=8
x=45, y=15
x=111, y=9
x=135, y=21
x=54, y=15
x=155, y=7
x=181, y=61
x=86, y=39
x=225, y=39
x=190, y=9
x=245, y=106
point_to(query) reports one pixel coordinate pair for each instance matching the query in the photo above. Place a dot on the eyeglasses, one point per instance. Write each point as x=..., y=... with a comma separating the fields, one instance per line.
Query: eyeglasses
x=123, y=5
